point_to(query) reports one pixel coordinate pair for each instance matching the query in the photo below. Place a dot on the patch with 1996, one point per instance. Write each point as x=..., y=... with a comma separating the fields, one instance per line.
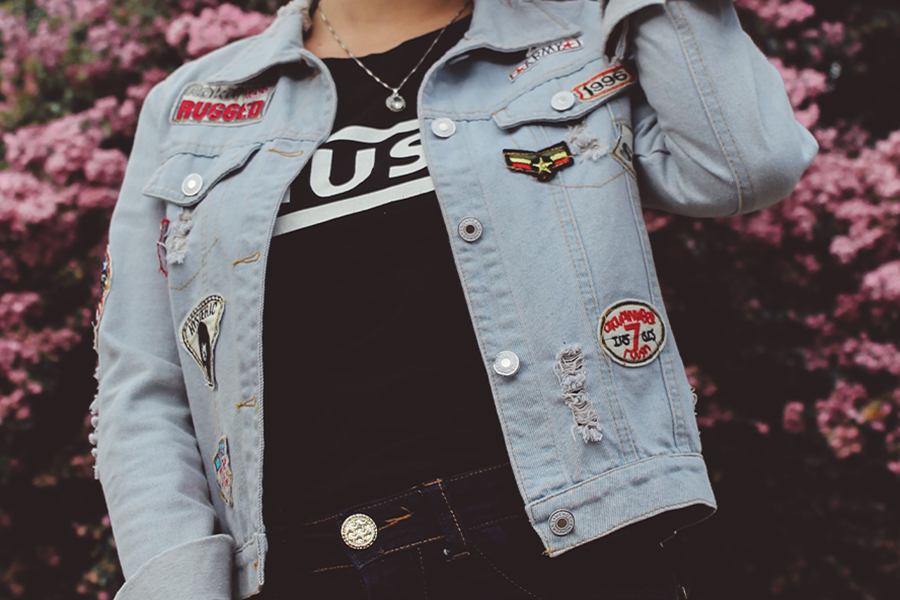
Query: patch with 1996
x=632, y=333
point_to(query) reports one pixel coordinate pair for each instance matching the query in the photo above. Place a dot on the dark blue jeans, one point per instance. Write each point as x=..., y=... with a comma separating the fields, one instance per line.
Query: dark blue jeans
x=459, y=538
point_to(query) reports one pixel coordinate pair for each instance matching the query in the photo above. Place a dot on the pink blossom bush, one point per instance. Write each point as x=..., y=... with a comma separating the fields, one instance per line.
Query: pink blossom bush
x=789, y=318
x=73, y=76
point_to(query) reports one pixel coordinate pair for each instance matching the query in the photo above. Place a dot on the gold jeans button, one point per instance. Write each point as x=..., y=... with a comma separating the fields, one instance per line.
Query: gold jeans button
x=359, y=531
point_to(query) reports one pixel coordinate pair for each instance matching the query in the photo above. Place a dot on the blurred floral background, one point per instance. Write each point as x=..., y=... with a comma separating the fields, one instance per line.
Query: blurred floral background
x=788, y=318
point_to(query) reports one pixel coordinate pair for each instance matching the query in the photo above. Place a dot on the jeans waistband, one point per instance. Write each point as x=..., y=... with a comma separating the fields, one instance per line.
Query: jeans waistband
x=442, y=509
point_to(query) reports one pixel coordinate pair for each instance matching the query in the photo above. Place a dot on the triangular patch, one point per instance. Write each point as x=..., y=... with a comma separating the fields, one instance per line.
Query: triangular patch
x=199, y=333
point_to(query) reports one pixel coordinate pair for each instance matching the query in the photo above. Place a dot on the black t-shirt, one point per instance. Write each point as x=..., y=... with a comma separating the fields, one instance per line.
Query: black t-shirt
x=374, y=381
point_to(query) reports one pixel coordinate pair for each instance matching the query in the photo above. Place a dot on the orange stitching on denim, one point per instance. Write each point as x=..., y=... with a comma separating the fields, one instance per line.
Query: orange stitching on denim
x=504, y=575
x=422, y=567
x=246, y=403
x=495, y=521
x=393, y=521
x=287, y=154
x=452, y=513
x=247, y=259
x=329, y=569
x=322, y=520
x=458, y=477
x=414, y=544
x=194, y=276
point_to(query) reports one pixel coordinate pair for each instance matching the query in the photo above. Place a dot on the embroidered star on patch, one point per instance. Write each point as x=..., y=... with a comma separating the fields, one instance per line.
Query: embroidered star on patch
x=542, y=164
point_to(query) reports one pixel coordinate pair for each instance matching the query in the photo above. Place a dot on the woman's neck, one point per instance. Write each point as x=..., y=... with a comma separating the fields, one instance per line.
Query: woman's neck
x=374, y=26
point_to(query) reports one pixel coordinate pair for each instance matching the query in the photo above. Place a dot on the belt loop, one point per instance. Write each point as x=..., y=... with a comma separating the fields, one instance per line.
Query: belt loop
x=457, y=543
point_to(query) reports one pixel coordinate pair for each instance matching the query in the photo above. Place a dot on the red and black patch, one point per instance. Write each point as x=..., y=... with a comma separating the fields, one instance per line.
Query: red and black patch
x=202, y=103
x=541, y=164
x=604, y=84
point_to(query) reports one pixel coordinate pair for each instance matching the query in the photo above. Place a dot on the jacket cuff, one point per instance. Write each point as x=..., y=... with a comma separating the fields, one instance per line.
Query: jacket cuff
x=196, y=570
x=613, y=13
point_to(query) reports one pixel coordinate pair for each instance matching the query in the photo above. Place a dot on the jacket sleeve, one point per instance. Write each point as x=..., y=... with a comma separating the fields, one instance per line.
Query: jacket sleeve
x=148, y=459
x=715, y=134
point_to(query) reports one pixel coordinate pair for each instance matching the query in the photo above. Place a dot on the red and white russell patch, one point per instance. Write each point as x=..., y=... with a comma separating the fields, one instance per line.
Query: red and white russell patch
x=536, y=54
x=632, y=333
x=201, y=103
x=605, y=83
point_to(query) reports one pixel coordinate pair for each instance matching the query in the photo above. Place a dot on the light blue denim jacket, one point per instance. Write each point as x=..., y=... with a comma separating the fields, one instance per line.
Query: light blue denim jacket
x=608, y=436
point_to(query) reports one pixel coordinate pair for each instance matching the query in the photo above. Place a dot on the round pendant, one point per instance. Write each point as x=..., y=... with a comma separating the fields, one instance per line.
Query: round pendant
x=395, y=102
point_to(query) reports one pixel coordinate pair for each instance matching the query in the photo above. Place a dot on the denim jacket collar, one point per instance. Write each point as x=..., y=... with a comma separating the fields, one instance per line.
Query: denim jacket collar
x=493, y=26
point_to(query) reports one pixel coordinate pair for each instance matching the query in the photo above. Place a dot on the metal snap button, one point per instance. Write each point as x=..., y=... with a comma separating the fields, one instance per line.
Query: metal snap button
x=562, y=522
x=562, y=101
x=506, y=363
x=443, y=127
x=359, y=531
x=191, y=185
x=470, y=229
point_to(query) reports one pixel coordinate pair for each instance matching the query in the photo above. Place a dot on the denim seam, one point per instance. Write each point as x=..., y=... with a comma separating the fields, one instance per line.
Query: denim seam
x=724, y=121
x=424, y=579
x=504, y=575
x=607, y=473
x=465, y=283
x=606, y=364
x=364, y=507
x=323, y=569
x=582, y=187
x=593, y=296
x=440, y=485
x=214, y=150
x=178, y=288
x=494, y=522
x=412, y=545
x=647, y=259
x=491, y=375
x=484, y=470
x=542, y=115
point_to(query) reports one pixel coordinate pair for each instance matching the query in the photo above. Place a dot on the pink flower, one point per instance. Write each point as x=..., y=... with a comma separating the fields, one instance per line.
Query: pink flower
x=792, y=420
x=214, y=28
x=106, y=167
x=883, y=283
x=779, y=13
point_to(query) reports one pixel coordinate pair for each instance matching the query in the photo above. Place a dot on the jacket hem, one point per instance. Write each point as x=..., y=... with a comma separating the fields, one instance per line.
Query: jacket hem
x=195, y=570
x=249, y=565
x=626, y=496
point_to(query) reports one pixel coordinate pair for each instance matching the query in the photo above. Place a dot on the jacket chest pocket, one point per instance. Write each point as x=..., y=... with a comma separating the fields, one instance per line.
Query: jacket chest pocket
x=589, y=112
x=195, y=186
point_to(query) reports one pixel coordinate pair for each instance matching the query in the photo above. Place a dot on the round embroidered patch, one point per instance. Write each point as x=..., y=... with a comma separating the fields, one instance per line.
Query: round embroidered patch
x=632, y=333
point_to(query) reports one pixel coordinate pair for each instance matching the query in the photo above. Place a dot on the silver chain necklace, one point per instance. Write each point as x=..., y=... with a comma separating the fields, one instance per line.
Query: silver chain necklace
x=395, y=101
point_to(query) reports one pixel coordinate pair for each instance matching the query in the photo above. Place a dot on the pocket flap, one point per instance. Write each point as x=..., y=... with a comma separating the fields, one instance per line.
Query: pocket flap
x=185, y=178
x=567, y=98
